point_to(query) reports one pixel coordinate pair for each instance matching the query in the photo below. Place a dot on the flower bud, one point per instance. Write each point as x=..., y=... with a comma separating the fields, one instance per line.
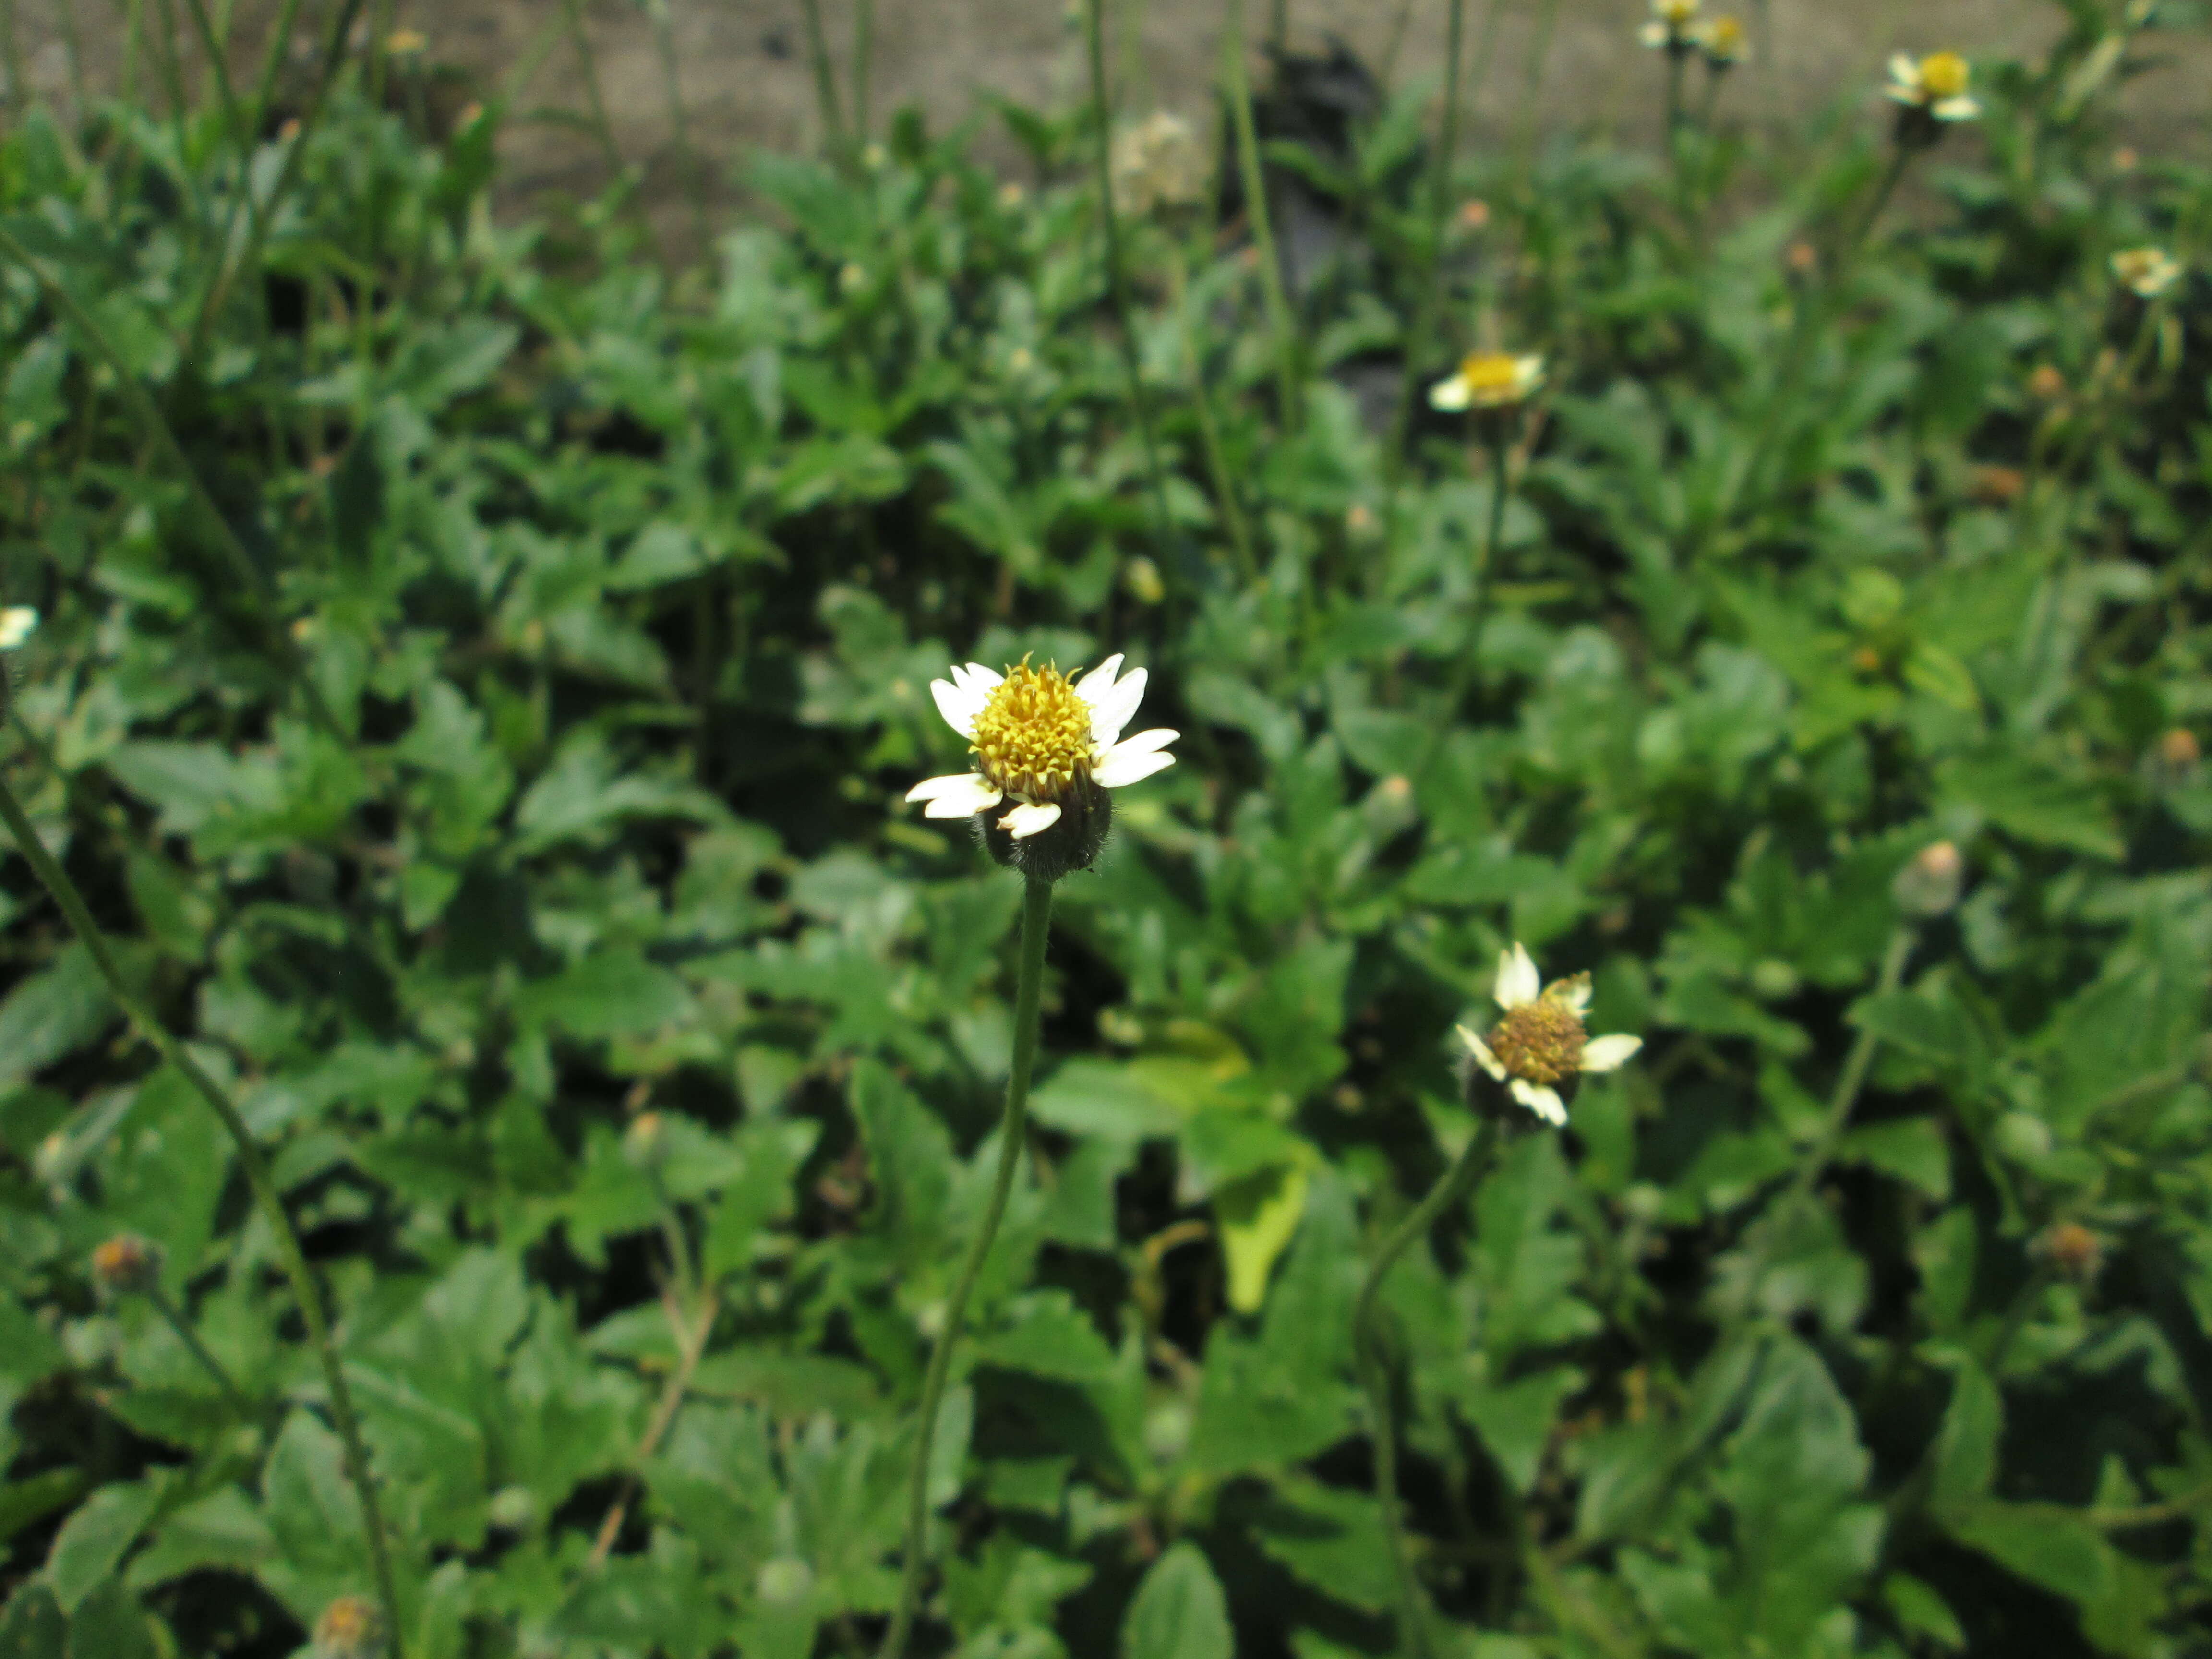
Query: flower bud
x=350, y=1627
x=783, y=1581
x=645, y=1143
x=513, y=1508
x=1929, y=884
x=2072, y=1249
x=127, y=1265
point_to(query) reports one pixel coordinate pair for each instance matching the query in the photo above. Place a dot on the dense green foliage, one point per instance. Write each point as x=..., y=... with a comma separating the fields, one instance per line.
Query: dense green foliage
x=483, y=735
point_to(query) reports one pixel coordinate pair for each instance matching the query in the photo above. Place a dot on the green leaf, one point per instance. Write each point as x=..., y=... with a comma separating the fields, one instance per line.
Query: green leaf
x=2035, y=802
x=92, y=1542
x=1257, y=1215
x=32, y=1626
x=1046, y=1335
x=51, y=1014
x=1179, y=1611
x=1913, y=1149
x=111, y=1624
x=616, y=992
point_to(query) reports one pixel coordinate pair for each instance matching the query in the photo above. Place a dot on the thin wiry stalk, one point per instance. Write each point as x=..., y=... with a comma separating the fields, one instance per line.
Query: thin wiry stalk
x=1412, y=1615
x=266, y=1196
x=1037, y=922
x=825, y=83
x=864, y=56
x=1430, y=303
x=664, y=35
x=1236, y=86
x=595, y=105
x=1117, y=275
x=173, y=1316
x=1209, y=429
x=154, y=425
x=227, y=269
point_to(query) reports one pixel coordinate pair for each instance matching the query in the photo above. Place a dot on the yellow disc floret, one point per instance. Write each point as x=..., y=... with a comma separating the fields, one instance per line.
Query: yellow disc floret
x=1033, y=736
x=1542, y=1041
x=1492, y=377
x=1943, y=75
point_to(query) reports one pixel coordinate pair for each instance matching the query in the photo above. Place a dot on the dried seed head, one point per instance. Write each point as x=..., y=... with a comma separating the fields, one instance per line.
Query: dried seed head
x=350, y=1627
x=2072, y=1249
x=126, y=1265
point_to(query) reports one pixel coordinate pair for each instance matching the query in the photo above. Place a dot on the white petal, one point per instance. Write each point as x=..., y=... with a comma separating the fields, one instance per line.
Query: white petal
x=1903, y=70
x=1450, y=394
x=17, y=624
x=1545, y=1102
x=1575, y=992
x=1025, y=821
x=1099, y=681
x=1113, y=711
x=1608, y=1053
x=959, y=704
x=961, y=803
x=1120, y=768
x=1517, y=977
x=1144, y=742
x=1652, y=34
x=953, y=783
x=986, y=679
x=1483, y=1057
x=1962, y=108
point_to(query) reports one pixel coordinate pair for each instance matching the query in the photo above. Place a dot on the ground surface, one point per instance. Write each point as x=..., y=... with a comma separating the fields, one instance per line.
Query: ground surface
x=743, y=69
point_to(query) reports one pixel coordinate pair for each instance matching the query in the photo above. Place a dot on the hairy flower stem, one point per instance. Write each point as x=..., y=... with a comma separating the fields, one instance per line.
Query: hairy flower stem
x=56, y=883
x=1375, y=1377
x=1117, y=275
x=1037, y=919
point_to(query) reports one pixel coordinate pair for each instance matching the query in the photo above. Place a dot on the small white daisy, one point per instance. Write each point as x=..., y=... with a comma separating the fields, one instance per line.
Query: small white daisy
x=17, y=624
x=1935, y=83
x=2149, y=271
x=1672, y=26
x=1489, y=379
x=1042, y=740
x=1538, y=1041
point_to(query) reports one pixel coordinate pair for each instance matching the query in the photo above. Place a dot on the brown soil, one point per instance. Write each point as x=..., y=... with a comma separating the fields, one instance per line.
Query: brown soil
x=743, y=68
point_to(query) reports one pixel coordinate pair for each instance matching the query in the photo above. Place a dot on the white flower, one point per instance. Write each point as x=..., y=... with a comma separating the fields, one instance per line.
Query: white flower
x=17, y=624
x=1936, y=84
x=1538, y=1041
x=1488, y=380
x=1040, y=737
x=2149, y=271
x=1671, y=25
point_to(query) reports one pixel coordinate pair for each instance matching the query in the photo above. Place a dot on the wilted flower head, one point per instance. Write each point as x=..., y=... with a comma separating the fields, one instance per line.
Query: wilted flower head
x=1539, y=1044
x=127, y=1264
x=1488, y=380
x=350, y=1627
x=1928, y=886
x=1051, y=743
x=2149, y=271
x=2072, y=1249
x=1933, y=87
x=1158, y=163
x=1673, y=26
x=1722, y=42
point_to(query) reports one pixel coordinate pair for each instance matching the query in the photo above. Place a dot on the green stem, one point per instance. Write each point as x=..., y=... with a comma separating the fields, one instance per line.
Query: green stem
x=227, y=269
x=864, y=51
x=594, y=104
x=189, y=1338
x=1849, y=1081
x=1237, y=85
x=825, y=83
x=266, y=1196
x=664, y=38
x=157, y=431
x=1209, y=428
x=1467, y=667
x=1117, y=275
x=1412, y=1620
x=1429, y=309
x=1037, y=919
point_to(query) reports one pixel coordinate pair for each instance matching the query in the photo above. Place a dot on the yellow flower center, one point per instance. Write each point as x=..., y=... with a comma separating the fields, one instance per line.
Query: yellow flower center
x=1492, y=377
x=1725, y=38
x=1540, y=1041
x=1943, y=74
x=1676, y=13
x=1033, y=736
